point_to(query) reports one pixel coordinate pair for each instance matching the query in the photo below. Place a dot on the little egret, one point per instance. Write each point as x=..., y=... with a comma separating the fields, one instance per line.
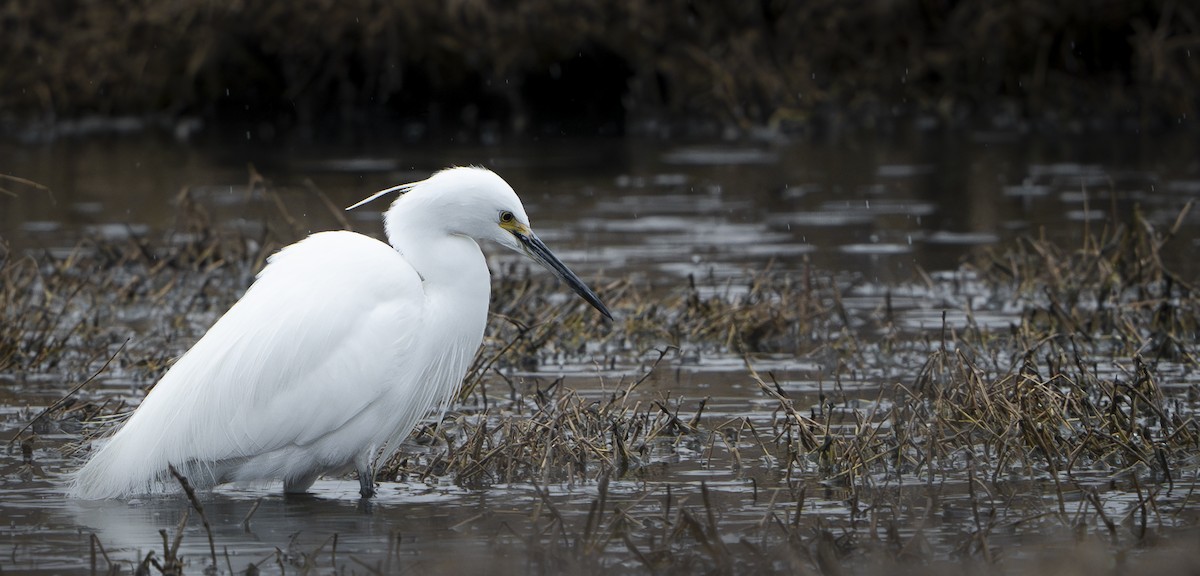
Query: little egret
x=337, y=349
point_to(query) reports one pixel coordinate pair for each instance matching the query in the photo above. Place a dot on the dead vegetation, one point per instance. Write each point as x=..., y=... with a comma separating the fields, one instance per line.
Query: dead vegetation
x=441, y=65
x=1079, y=418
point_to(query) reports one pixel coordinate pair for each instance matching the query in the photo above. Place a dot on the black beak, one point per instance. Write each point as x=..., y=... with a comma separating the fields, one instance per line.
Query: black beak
x=538, y=251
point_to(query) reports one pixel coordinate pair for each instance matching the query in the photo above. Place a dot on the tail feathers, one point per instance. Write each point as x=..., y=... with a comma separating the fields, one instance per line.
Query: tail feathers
x=120, y=470
x=101, y=478
x=116, y=473
x=124, y=469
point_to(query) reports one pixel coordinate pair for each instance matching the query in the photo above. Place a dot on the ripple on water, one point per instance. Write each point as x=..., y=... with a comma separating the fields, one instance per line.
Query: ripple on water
x=717, y=156
x=903, y=170
x=116, y=230
x=881, y=248
x=947, y=237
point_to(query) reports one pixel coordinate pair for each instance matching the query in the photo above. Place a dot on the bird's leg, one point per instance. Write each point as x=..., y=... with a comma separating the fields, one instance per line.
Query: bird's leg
x=366, y=481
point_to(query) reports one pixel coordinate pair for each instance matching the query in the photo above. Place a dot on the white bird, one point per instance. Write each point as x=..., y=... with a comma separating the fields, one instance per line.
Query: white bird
x=338, y=348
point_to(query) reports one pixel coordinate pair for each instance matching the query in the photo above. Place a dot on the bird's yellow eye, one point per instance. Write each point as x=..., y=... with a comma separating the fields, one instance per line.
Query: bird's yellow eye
x=506, y=217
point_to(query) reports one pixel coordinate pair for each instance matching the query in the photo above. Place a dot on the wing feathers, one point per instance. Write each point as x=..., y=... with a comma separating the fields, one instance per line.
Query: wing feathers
x=309, y=332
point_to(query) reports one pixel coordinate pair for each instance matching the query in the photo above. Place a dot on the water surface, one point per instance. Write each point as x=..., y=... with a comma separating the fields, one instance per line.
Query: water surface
x=873, y=216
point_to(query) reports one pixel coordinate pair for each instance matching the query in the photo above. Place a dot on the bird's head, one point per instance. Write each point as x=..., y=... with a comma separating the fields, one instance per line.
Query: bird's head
x=477, y=203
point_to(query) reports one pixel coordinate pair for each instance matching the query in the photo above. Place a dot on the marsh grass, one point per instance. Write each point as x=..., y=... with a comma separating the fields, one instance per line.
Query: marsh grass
x=1075, y=401
x=719, y=62
x=944, y=448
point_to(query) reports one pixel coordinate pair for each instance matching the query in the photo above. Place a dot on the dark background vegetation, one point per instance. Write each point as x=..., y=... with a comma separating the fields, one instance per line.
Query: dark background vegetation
x=604, y=66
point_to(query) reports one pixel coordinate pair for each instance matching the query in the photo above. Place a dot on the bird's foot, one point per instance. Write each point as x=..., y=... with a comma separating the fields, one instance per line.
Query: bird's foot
x=366, y=483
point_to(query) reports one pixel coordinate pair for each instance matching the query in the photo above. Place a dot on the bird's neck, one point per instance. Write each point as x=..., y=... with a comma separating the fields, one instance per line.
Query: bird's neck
x=452, y=268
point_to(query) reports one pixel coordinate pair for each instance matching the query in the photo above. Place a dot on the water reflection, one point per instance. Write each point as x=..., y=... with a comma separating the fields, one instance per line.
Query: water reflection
x=880, y=208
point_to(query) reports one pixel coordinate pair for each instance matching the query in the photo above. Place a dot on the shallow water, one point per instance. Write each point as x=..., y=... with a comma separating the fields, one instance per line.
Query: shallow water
x=648, y=207
x=870, y=215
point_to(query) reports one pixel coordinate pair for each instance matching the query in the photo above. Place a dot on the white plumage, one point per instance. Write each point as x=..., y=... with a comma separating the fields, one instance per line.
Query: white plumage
x=334, y=353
